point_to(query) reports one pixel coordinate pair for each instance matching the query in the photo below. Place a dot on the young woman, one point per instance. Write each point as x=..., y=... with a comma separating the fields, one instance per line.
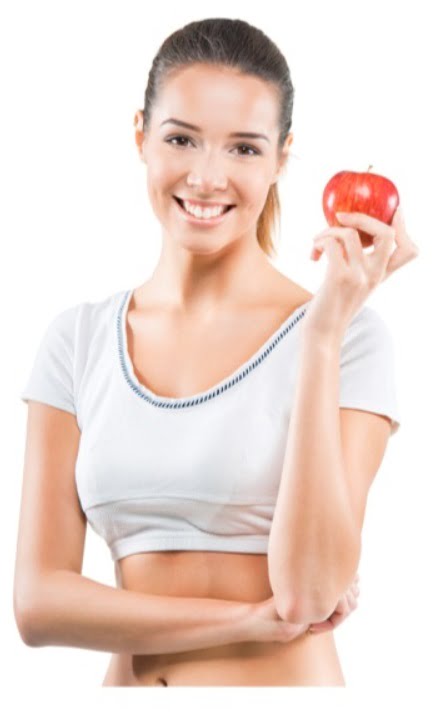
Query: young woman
x=219, y=426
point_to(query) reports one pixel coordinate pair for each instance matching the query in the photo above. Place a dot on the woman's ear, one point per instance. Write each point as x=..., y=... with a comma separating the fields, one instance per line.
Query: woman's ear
x=139, y=134
x=283, y=160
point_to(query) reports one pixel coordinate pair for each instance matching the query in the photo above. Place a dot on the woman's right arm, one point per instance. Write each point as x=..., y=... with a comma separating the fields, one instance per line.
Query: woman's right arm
x=54, y=604
x=68, y=609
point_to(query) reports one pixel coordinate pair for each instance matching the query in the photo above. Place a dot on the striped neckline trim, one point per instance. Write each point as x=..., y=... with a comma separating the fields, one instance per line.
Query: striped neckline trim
x=235, y=377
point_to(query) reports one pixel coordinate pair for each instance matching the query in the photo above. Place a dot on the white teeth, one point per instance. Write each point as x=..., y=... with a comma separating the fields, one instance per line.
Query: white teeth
x=199, y=212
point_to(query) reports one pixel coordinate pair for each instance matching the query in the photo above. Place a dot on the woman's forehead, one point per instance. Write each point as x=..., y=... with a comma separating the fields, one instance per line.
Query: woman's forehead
x=220, y=105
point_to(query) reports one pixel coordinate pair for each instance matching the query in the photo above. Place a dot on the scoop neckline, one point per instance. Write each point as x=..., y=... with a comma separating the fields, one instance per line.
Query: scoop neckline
x=221, y=386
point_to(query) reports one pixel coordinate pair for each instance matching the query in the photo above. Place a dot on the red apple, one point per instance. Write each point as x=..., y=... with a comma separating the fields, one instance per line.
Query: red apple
x=354, y=192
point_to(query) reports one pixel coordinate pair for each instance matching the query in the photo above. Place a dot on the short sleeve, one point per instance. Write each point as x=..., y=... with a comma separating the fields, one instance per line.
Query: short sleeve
x=367, y=367
x=51, y=376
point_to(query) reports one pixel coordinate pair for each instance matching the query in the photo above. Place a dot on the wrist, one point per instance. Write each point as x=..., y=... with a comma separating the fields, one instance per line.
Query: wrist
x=244, y=627
x=327, y=343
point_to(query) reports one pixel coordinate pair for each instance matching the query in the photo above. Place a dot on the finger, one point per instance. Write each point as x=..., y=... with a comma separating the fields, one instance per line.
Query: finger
x=337, y=619
x=347, y=603
x=402, y=237
x=315, y=253
x=342, y=606
x=354, y=248
x=329, y=624
x=383, y=238
x=319, y=627
x=341, y=611
x=377, y=262
x=335, y=252
x=326, y=626
x=352, y=244
x=355, y=590
x=400, y=256
x=348, y=606
x=352, y=601
x=334, y=232
x=398, y=220
x=409, y=249
x=371, y=225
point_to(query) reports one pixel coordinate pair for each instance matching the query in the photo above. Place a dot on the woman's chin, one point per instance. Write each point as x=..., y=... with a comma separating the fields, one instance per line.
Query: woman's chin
x=204, y=248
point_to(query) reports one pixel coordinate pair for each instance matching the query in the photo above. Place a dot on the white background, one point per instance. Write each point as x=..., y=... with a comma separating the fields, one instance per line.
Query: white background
x=77, y=224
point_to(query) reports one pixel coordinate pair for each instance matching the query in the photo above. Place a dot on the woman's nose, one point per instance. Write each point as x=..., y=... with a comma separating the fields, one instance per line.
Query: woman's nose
x=208, y=172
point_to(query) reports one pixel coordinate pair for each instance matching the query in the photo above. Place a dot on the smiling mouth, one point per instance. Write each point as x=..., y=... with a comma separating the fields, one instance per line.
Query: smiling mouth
x=181, y=204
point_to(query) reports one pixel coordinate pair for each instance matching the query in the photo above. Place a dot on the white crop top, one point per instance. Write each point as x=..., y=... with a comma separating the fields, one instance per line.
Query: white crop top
x=199, y=472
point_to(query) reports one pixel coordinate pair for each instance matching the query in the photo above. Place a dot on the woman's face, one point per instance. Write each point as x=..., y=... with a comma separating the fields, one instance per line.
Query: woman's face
x=211, y=164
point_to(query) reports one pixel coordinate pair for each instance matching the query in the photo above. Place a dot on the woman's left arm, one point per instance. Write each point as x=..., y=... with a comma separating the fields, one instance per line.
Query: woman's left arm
x=315, y=538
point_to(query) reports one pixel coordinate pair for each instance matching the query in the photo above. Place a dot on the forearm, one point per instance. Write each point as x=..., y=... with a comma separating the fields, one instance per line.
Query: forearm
x=74, y=611
x=312, y=549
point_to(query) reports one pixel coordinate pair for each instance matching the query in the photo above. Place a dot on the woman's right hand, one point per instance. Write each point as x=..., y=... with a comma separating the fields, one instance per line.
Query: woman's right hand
x=346, y=604
x=265, y=624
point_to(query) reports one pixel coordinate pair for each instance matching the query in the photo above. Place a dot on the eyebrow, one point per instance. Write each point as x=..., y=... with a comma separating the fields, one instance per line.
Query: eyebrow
x=237, y=134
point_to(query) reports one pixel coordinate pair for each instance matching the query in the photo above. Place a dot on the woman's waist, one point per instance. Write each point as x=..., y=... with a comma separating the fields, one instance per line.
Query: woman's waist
x=228, y=576
x=233, y=576
x=306, y=660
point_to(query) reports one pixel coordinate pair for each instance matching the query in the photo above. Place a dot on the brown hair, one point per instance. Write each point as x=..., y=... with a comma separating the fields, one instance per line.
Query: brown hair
x=235, y=44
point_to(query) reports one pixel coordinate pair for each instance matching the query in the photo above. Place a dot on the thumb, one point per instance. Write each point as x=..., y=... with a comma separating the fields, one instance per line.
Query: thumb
x=383, y=248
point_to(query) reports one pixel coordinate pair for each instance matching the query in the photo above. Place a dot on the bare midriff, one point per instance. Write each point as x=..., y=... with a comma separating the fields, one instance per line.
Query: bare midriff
x=310, y=659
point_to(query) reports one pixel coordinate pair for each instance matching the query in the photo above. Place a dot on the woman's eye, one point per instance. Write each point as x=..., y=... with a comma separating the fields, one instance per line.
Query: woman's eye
x=183, y=137
x=249, y=147
x=176, y=137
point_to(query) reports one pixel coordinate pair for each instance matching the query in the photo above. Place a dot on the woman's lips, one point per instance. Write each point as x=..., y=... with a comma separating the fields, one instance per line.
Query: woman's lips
x=201, y=221
x=227, y=206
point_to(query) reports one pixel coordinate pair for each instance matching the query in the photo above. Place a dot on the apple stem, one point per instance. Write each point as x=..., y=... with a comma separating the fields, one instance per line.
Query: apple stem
x=369, y=168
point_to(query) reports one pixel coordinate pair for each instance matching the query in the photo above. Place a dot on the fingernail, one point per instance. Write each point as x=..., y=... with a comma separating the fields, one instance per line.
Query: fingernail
x=341, y=215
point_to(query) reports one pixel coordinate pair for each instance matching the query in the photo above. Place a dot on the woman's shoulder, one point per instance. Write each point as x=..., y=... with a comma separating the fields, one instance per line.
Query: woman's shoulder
x=288, y=293
x=85, y=311
x=83, y=320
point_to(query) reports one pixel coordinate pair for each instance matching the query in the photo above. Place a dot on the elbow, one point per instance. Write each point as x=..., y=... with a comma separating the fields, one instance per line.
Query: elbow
x=301, y=612
x=308, y=609
x=319, y=602
x=28, y=628
x=27, y=619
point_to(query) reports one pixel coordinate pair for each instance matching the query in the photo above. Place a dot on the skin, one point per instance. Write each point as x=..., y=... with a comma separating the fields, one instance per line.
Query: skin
x=206, y=274
x=203, y=271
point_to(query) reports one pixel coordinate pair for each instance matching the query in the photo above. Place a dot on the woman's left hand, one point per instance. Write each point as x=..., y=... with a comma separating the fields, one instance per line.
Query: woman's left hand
x=352, y=274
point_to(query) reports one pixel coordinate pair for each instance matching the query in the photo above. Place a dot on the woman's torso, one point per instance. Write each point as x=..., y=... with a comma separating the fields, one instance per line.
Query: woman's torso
x=307, y=660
